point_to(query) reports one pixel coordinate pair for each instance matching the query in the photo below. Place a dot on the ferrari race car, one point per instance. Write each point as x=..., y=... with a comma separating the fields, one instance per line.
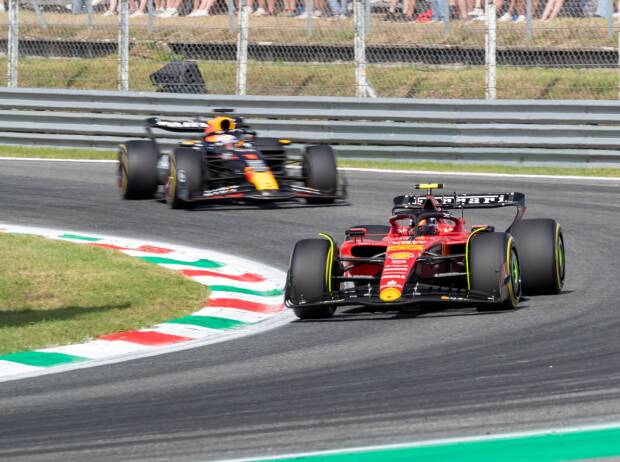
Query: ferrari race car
x=427, y=255
x=227, y=161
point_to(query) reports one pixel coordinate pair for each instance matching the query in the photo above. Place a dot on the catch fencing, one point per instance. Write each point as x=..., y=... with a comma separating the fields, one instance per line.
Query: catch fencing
x=415, y=129
x=510, y=49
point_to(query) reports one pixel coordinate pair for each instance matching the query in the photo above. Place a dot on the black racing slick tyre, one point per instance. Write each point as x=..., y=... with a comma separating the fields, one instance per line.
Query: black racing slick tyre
x=320, y=171
x=137, y=169
x=493, y=269
x=185, y=177
x=309, y=278
x=541, y=254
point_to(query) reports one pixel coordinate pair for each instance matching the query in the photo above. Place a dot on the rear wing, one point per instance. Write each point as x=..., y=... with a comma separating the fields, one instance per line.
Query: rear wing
x=462, y=201
x=186, y=126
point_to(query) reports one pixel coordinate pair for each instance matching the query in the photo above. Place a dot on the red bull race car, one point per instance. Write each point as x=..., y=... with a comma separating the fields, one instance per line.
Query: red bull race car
x=427, y=255
x=227, y=161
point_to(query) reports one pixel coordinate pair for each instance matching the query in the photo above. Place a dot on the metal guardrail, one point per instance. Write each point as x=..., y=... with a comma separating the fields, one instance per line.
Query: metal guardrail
x=512, y=131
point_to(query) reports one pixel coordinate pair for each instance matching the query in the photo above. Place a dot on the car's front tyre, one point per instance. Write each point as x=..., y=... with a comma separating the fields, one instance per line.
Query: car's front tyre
x=184, y=178
x=309, y=278
x=493, y=269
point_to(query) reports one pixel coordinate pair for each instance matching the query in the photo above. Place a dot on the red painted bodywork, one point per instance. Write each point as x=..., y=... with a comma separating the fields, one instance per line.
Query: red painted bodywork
x=403, y=248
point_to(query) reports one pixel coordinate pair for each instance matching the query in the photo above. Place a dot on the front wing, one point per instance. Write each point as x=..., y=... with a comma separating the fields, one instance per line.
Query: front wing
x=413, y=294
x=248, y=192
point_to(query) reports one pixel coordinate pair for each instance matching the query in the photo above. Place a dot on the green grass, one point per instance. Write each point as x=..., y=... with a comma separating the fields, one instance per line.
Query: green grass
x=55, y=153
x=482, y=168
x=295, y=79
x=55, y=293
x=31, y=152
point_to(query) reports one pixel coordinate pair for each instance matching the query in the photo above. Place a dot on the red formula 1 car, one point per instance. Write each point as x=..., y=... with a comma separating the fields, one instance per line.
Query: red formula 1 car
x=427, y=255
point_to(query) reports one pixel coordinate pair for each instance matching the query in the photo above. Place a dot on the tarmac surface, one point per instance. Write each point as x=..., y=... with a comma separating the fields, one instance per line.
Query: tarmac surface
x=358, y=379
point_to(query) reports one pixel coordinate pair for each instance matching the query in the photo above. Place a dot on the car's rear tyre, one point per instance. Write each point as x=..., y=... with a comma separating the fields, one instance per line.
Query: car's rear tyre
x=185, y=177
x=137, y=169
x=309, y=277
x=320, y=171
x=541, y=254
x=493, y=269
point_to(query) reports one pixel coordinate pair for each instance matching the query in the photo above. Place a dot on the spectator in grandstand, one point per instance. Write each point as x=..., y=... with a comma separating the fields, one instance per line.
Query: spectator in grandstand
x=406, y=15
x=111, y=11
x=516, y=11
x=171, y=10
x=203, y=7
x=441, y=10
x=289, y=8
x=319, y=9
x=463, y=7
x=552, y=9
x=338, y=8
x=265, y=8
x=140, y=11
x=477, y=14
x=605, y=8
x=113, y=8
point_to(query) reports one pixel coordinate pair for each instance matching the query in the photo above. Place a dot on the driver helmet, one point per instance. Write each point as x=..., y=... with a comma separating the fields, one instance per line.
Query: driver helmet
x=220, y=125
x=427, y=227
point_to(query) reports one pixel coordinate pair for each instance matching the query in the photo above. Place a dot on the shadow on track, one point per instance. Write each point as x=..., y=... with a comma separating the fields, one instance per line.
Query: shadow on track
x=267, y=206
x=366, y=314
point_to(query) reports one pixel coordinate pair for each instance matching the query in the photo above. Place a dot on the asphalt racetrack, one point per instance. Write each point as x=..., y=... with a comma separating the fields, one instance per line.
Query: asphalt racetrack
x=358, y=379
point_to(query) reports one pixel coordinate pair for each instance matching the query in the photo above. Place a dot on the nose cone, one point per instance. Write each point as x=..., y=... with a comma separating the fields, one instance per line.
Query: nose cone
x=390, y=294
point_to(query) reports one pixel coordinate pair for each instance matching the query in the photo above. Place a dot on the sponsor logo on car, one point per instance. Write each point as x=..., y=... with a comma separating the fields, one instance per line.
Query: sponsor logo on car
x=219, y=191
x=401, y=255
x=411, y=246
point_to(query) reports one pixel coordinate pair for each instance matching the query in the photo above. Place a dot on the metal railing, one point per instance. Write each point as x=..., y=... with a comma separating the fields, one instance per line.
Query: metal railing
x=499, y=131
x=530, y=49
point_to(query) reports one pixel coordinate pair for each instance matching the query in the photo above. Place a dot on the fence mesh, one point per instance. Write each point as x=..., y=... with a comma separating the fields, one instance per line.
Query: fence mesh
x=60, y=46
x=567, y=50
x=290, y=54
x=206, y=41
x=556, y=49
x=415, y=53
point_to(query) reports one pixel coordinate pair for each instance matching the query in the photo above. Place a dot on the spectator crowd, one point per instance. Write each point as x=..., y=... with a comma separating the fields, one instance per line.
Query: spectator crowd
x=337, y=9
x=397, y=10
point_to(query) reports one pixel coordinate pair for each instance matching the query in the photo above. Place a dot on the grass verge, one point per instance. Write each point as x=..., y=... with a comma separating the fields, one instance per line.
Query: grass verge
x=313, y=79
x=55, y=293
x=32, y=152
x=86, y=154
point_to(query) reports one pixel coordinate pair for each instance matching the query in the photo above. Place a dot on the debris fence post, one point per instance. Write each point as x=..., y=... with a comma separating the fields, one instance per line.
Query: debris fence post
x=123, y=45
x=13, y=44
x=242, y=47
x=362, y=86
x=490, y=49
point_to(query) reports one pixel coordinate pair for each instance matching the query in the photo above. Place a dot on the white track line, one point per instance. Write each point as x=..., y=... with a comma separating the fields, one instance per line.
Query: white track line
x=480, y=174
x=381, y=170
x=45, y=159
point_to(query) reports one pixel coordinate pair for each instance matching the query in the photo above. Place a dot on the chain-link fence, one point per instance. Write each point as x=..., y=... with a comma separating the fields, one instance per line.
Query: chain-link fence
x=390, y=48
